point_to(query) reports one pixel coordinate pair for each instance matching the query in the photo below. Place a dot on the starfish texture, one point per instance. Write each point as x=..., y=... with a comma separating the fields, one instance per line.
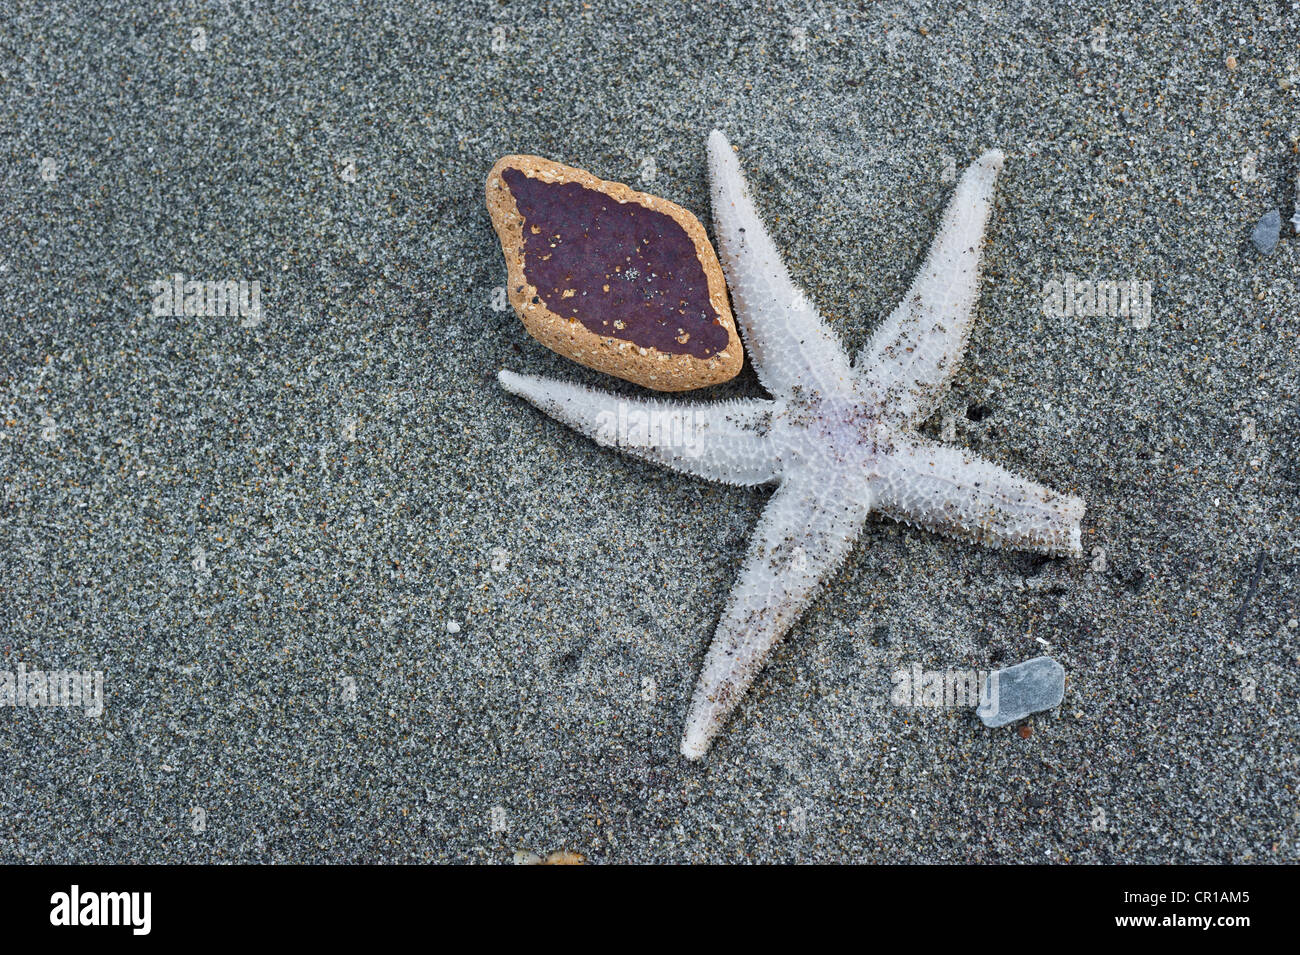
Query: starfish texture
x=838, y=437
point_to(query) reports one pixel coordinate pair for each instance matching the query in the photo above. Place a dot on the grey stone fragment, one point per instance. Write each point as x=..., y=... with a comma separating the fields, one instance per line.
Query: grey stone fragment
x=1266, y=232
x=1015, y=692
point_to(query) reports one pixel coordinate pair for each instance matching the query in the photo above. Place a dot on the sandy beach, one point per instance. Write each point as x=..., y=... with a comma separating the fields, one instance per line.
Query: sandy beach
x=351, y=602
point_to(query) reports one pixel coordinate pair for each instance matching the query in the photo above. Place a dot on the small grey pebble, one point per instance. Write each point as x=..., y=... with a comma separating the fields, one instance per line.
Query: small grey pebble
x=1266, y=232
x=1029, y=687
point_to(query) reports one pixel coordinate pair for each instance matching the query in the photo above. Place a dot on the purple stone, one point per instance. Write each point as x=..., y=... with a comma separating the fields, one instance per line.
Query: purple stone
x=622, y=270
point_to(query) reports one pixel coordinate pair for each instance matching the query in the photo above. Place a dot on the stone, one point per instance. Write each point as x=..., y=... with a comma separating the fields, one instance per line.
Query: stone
x=1266, y=232
x=1015, y=692
x=617, y=280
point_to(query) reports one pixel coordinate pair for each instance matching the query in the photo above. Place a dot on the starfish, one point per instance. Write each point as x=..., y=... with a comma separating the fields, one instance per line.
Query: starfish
x=838, y=438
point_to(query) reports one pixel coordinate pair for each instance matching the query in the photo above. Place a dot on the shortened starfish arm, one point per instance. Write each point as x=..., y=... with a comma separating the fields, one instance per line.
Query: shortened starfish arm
x=959, y=494
x=724, y=441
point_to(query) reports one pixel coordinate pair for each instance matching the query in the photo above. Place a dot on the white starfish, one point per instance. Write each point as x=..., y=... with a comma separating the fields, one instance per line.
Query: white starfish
x=838, y=438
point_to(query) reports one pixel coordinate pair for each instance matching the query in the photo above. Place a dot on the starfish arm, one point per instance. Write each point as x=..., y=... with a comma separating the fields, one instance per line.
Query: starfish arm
x=805, y=533
x=956, y=493
x=787, y=340
x=912, y=356
x=726, y=441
